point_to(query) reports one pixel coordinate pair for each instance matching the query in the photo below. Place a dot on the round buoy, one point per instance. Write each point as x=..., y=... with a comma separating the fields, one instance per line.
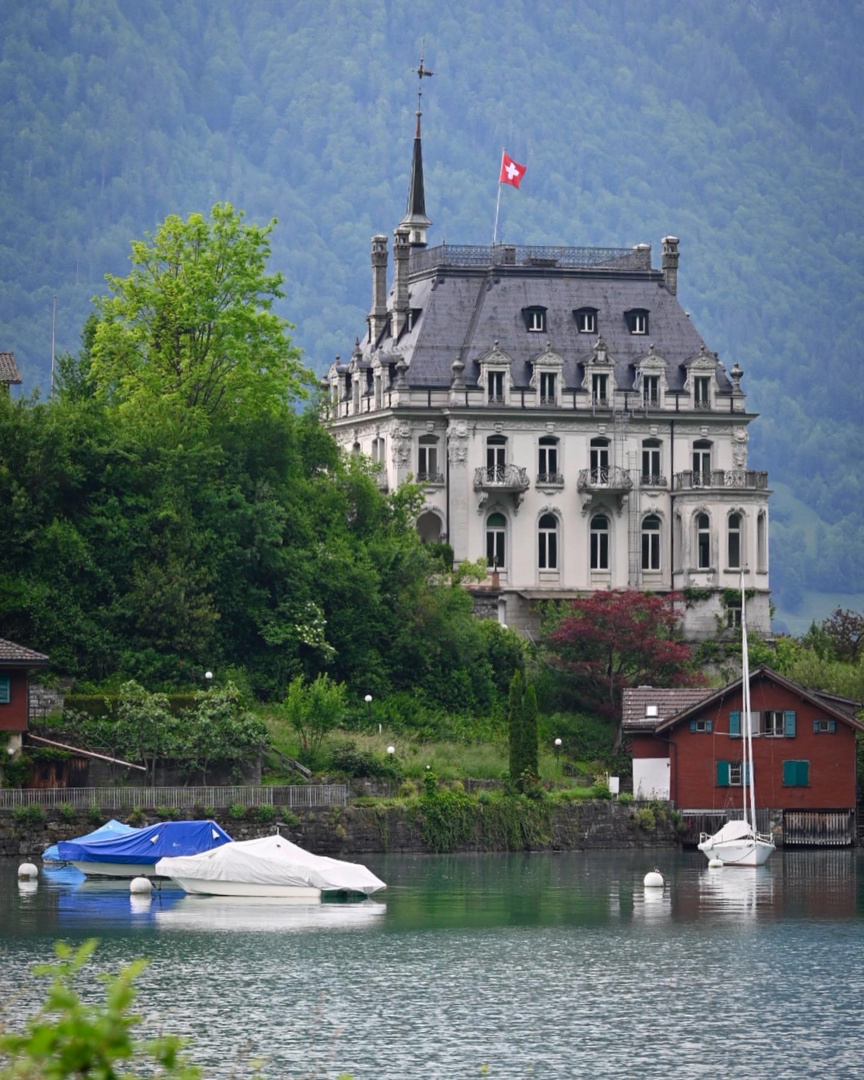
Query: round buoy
x=715, y=864
x=139, y=885
x=653, y=879
x=27, y=870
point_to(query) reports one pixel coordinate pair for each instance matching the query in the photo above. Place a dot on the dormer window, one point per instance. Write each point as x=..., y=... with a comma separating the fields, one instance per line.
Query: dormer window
x=413, y=317
x=702, y=392
x=637, y=320
x=600, y=389
x=650, y=390
x=548, y=388
x=586, y=320
x=495, y=387
x=535, y=319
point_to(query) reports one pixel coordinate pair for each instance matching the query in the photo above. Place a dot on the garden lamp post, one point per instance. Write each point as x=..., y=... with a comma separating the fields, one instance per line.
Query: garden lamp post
x=391, y=750
x=558, y=754
x=368, y=700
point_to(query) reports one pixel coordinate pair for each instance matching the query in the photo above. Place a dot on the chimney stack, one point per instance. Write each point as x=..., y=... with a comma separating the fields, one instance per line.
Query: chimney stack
x=377, y=317
x=670, y=263
x=401, y=255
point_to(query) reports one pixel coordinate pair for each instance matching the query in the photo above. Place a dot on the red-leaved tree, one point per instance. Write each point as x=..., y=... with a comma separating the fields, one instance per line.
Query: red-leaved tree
x=618, y=639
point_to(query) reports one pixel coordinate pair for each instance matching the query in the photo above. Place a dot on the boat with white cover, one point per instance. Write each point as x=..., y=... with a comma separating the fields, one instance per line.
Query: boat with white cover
x=738, y=843
x=270, y=866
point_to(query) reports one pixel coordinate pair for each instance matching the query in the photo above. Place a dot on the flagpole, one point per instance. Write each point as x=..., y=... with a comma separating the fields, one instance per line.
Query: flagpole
x=498, y=201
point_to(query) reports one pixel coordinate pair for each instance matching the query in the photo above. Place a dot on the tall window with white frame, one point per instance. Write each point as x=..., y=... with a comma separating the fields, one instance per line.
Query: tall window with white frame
x=762, y=542
x=547, y=461
x=651, y=466
x=599, y=542
x=733, y=542
x=600, y=389
x=547, y=542
x=548, y=388
x=651, y=390
x=702, y=392
x=586, y=321
x=651, y=543
x=599, y=458
x=702, y=463
x=703, y=541
x=496, y=458
x=496, y=533
x=427, y=460
x=495, y=387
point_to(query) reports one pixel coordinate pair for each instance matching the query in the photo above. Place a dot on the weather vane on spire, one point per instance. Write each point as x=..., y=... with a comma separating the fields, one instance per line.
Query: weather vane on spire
x=421, y=73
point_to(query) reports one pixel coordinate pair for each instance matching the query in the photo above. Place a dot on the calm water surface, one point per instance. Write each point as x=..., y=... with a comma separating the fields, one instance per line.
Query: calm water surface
x=533, y=966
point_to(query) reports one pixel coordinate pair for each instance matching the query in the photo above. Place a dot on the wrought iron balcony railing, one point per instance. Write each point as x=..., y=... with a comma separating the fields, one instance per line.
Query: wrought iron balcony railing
x=653, y=480
x=501, y=478
x=430, y=478
x=550, y=479
x=606, y=479
x=722, y=478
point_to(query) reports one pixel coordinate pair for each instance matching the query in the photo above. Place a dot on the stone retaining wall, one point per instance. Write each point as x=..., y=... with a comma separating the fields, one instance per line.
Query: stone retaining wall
x=351, y=831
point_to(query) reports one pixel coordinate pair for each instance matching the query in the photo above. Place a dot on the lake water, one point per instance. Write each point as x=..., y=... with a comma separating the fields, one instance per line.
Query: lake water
x=531, y=966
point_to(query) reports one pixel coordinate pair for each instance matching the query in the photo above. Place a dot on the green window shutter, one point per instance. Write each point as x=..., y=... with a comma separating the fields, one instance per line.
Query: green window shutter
x=789, y=724
x=5, y=690
x=790, y=773
x=815, y=727
x=709, y=726
x=722, y=774
x=735, y=723
x=832, y=726
x=803, y=773
x=748, y=776
x=692, y=725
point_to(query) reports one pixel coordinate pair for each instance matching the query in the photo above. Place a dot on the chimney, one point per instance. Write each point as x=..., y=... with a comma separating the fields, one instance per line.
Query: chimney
x=401, y=255
x=377, y=317
x=670, y=263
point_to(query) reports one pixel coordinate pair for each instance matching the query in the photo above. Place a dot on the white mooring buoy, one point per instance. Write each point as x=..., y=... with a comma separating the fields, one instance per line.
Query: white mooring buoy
x=715, y=864
x=140, y=885
x=27, y=870
x=653, y=879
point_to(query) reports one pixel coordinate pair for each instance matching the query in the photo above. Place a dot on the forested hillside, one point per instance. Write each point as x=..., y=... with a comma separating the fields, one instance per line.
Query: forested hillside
x=735, y=125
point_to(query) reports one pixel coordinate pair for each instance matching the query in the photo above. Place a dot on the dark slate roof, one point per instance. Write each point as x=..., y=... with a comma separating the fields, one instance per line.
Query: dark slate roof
x=12, y=655
x=669, y=703
x=9, y=372
x=465, y=310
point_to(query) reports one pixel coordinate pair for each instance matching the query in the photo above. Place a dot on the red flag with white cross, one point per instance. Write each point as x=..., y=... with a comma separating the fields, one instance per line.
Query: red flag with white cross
x=511, y=171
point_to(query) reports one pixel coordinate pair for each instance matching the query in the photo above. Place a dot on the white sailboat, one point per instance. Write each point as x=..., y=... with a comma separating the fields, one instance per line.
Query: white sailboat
x=738, y=843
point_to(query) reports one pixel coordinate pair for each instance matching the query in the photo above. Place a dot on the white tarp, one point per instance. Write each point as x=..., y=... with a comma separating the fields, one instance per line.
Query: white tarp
x=272, y=860
x=733, y=830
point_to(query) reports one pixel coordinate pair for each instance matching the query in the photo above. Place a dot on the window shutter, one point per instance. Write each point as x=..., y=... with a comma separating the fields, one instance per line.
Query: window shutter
x=815, y=727
x=832, y=726
x=790, y=773
x=722, y=774
x=709, y=726
x=789, y=724
x=756, y=722
x=5, y=695
x=692, y=725
x=735, y=723
x=803, y=773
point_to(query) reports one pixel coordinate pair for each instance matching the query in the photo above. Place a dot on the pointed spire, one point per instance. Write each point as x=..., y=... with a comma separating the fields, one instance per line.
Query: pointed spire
x=415, y=220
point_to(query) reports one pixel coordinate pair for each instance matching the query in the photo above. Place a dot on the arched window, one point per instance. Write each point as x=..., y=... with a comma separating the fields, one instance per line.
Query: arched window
x=496, y=458
x=599, y=542
x=429, y=528
x=427, y=460
x=599, y=461
x=496, y=528
x=762, y=542
x=651, y=467
x=703, y=542
x=651, y=543
x=547, y=461
x=733, y=542
x=702, y=463
x=548, y=542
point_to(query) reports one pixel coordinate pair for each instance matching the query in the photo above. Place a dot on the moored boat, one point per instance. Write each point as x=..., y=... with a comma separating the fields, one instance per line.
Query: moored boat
x=110, y=828
x=136, y=854
x=271, y=866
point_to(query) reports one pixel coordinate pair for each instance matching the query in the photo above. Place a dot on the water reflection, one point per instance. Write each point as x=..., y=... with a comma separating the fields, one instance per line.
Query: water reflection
x=736, y=892
x=259, y=913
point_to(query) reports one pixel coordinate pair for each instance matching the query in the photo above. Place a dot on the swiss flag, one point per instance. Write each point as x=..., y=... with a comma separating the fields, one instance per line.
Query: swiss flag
x=511, y=171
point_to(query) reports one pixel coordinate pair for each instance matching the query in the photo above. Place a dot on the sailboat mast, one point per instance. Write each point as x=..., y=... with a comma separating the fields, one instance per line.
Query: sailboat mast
x=748, y=719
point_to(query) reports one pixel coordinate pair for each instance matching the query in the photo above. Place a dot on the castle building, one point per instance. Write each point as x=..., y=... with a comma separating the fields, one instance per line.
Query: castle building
x=563, y=417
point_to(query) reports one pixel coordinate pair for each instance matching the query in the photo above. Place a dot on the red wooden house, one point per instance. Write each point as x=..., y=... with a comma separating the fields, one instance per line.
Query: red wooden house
x=687, y=748
x=16, y=663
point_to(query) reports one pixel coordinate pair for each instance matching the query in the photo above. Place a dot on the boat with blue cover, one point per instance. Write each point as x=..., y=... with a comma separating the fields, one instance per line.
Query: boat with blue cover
x=136, y=854
x=110, y=828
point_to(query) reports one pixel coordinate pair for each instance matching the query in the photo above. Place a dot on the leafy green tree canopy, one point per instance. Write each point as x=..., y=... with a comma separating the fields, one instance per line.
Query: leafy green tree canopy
x=192, y=325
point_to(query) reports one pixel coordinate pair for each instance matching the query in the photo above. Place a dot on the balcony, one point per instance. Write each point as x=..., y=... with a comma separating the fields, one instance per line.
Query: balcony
x=735, y=479
x=605, y=479
x=501, y=478
x=652, y=480
x=550, y=479
x=431, y=479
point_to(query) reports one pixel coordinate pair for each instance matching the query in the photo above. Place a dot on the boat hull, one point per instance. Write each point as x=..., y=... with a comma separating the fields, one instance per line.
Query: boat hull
x=116, y=870
x=744, y=852
x=201, y=887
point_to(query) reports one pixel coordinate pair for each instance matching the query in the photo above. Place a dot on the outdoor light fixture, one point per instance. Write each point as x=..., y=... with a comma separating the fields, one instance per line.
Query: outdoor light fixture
x=208, y=674
x=391, y=750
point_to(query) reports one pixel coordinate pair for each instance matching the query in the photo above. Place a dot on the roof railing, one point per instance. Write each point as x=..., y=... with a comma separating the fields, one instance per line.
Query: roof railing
x=488, y=255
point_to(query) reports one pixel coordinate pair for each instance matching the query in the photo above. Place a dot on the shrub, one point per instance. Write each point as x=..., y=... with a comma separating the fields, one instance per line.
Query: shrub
x=289, y=817
x=266, y=813
x=346, y=758
x=645, y=819
x=32, y=814
x=94, y=814
x=66, y=811
x=237, y=811
x=601, y=790
x=625, y=798
x=137, y=818
x=168, y=813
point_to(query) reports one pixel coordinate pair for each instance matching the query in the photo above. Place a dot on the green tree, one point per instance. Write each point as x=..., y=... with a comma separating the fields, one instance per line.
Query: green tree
x=192, y=325
x=314, y=710
x=522, y=731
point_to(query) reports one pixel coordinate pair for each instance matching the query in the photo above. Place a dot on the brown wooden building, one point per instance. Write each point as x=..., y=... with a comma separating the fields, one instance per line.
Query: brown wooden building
x=16, y=663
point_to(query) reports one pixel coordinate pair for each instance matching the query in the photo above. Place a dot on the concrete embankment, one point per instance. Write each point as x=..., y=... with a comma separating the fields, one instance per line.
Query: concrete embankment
x=353, y=830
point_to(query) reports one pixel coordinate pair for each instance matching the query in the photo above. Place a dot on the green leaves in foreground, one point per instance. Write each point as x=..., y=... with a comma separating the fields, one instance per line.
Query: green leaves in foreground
x=68, y=1038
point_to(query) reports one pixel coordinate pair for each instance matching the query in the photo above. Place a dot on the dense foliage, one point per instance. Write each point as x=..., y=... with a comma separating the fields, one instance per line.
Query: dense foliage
x=720, y=122
x=522, y=732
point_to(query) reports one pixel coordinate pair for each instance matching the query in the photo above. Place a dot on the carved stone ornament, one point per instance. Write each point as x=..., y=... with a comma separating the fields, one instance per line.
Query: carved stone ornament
x=496, y=357
x=652, y=361
x=400, y=440
x=599, y=354
x=705, y=361
x=457, y=442
x=546, y=361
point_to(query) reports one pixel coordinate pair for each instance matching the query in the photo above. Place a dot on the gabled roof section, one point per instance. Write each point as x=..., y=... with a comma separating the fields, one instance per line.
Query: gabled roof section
x=668, y=702
x=12, y=655
x=9, y=372
x=822, y=701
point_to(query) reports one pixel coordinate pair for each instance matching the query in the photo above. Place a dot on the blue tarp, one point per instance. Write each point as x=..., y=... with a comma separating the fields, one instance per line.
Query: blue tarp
x=110, y=828
x=148, y=845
